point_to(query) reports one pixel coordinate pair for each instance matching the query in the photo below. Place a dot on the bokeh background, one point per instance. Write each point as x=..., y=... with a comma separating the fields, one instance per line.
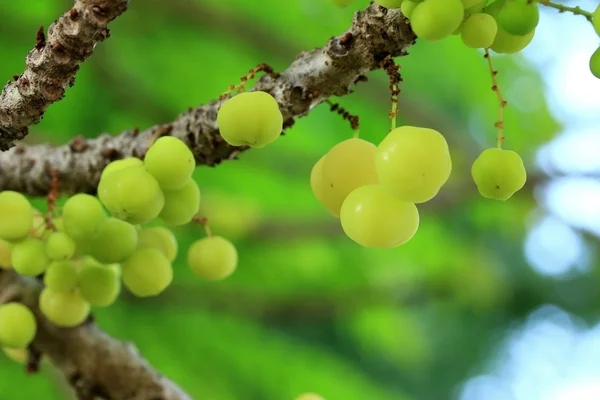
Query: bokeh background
x=489, y=301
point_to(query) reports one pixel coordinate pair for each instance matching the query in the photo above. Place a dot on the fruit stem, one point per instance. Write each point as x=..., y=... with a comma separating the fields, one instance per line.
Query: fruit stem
x=353, y=119
x=562, y=8
x=52, y=197
x=394, y=112
x=244, y=79
x=356, y=133
x=204, y=222
x=501, y=102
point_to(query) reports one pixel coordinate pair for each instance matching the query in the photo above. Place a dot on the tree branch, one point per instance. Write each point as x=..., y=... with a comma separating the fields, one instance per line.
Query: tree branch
x=52, y=64
x=95, y=364
x=312, y=78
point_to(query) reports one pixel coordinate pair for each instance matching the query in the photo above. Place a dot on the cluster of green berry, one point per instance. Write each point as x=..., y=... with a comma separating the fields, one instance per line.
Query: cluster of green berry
x=505, y=26
x=374, y=189
x=84, y=254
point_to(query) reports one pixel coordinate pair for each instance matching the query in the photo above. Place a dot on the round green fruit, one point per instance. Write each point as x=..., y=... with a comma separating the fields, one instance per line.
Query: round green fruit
x=595, y=63
x=16, y=216
x=413, y=162
x=433, y=20
x=147, y=272
x=390, y=3
x=213, y=258
x=479, y=31
x=64, y=309
x=250, y=119
x=170, y=162
x=519, y=17
x=17, y=325
x=373, y=216
x=498, y=173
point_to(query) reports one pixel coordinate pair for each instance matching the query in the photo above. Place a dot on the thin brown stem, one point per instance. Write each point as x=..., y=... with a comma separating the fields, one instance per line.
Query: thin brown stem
x=501, y=102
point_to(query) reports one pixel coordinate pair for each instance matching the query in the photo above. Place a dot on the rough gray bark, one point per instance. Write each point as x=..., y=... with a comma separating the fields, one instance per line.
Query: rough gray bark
x=96, y=365
x=312, y=78
x=52, y=64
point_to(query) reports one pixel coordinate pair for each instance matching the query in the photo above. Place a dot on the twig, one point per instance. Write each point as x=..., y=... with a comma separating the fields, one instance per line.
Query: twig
x=562, y=8
x=353, y=119
x=393, y=72
x=52, y=197
x=501, y=102
x=52, y=64
x=244, y=79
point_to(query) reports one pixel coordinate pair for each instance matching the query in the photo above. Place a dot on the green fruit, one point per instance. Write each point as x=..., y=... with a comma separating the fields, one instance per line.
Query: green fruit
x=390, y=3
x=60, y=246
x=347, y=166
x=413, y=162
x=505, y=43
x=479, y=31
x=29, y=257
x=181, y=205
x=250, y=119
x=82, y=214
x=495, y=8
x=519, y=17
x=17, y=325
x=471, y=3
x=118, y=165
x=132, y=194
x=99, y=285
x=595, y=63
x=373, y=217
x=213, y=258
x=161, y=239
x=64, y=309
x=5, y=254
x=16, y=216
x=114, y=242
x=170, y=162
x=407, y=7
x=61, y=276
x=147, y=272
x=478, y=7
x=309, y=396
x=498, y=173
x=433, y=20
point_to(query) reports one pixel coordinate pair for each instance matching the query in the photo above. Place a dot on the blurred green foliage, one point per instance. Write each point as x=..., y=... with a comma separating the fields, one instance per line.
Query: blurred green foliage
x=307, y=310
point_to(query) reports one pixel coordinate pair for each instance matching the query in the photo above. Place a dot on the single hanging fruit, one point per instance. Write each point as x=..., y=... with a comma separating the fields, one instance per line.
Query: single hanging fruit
x=498, y=173
x=250, y=119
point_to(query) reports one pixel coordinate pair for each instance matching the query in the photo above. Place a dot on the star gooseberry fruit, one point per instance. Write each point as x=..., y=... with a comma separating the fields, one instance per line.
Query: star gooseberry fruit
x=413, y=162
x=250, y=119
x=498, y=173
x=433, y=20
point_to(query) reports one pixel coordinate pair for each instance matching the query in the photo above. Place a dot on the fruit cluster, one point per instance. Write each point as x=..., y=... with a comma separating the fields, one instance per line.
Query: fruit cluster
x=374, y=189
x=505, y=26
x=83, y=255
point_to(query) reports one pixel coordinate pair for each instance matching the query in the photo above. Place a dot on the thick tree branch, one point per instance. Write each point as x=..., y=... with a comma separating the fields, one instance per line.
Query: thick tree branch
x=313, y=77
x=52, y=64
x=95, y=364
